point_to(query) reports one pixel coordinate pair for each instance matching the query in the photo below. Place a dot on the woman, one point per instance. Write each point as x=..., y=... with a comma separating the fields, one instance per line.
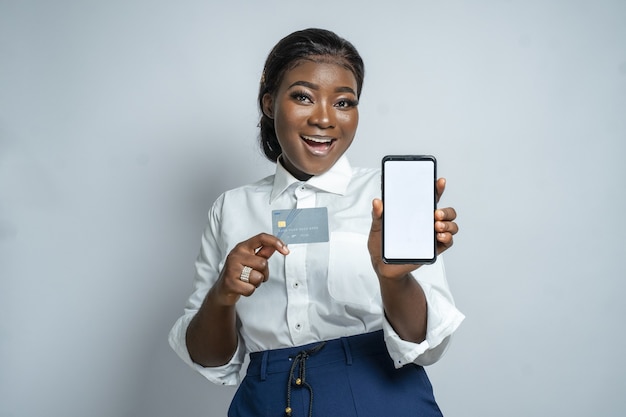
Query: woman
x=331, y=329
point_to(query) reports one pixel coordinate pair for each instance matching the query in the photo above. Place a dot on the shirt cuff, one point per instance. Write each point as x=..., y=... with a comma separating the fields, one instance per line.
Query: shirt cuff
x=227, y=374
x=443, y=320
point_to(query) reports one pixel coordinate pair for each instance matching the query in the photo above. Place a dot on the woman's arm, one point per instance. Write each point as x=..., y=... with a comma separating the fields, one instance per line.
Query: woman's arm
x=212, y=334
x=403, y=298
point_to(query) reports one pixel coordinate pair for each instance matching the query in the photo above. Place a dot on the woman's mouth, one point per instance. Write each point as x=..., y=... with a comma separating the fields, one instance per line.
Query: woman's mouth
x=318, y=145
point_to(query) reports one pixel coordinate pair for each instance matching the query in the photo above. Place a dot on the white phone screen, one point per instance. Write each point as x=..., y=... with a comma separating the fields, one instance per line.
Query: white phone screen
x=408, y=209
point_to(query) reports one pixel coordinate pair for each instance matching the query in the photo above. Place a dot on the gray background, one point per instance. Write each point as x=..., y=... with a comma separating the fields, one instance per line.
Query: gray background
x=121, y=122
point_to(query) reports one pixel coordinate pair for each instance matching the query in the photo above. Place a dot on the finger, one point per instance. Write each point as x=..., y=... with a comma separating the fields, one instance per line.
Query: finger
x=254, y=278
x=440, y=186
x=374, y=240
x=245, y=283
x=265, y=245
x=444, y=241
x=257, y=263
x=449, y=227
x=247, y=289
x=377, y=213
x=445, y=214
x=231, y=285
x=237, y=265
x=267, y=251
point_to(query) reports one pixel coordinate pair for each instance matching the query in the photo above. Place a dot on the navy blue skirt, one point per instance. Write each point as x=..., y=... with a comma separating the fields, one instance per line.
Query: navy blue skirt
x=348, y=377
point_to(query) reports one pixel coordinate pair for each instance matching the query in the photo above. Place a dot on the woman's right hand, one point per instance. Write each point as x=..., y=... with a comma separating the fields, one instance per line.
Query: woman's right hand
x=252, y=253
x=212, y=333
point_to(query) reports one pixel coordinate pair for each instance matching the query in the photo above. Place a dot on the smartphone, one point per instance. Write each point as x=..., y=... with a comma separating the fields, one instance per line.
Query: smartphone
x=409, y=203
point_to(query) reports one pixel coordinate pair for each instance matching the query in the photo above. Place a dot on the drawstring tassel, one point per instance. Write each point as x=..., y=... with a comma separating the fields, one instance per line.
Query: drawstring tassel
x=300, y=381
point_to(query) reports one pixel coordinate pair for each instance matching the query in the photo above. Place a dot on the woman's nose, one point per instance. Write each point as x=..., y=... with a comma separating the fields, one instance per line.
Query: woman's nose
x=321, y=116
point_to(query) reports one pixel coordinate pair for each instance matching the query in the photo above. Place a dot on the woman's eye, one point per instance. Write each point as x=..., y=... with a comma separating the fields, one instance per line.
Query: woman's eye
x=346, y=103
x=302, y=97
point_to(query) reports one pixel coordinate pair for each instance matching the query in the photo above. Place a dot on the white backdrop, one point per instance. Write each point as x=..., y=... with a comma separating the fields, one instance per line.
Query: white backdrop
x=121, y=122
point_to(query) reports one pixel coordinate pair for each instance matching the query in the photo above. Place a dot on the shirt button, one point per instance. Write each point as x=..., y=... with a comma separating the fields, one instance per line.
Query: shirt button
x=296, y=285
x=298, y=326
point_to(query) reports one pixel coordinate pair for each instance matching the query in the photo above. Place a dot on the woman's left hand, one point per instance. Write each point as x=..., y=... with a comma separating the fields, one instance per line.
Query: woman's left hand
x=445, y=225
x=445, y=229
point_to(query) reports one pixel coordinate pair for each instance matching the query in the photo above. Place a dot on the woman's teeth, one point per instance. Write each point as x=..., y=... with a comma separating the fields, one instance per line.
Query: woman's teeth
x=318, y=145
x=317, y=140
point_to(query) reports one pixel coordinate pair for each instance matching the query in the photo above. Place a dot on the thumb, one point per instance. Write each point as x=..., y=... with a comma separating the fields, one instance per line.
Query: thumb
x=440, y=187
x=377, y=214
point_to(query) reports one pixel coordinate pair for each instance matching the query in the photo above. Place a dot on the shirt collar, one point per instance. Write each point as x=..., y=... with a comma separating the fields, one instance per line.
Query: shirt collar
x=335, y=180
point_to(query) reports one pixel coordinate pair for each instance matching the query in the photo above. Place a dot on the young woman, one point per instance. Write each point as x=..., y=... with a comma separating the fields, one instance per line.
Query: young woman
x=330, y=328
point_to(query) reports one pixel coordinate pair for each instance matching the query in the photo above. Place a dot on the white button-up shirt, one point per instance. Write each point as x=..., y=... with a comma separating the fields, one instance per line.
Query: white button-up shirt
x=319, y=291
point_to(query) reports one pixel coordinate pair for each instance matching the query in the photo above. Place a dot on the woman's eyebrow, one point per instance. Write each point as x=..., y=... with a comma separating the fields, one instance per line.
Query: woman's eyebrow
x=306, y=84
x=345, y=90
x=313, y=86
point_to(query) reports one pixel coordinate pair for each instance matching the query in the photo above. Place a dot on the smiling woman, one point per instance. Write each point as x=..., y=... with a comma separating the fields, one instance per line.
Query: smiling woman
x=316, y=116
x=318, y=46
x=325, y=315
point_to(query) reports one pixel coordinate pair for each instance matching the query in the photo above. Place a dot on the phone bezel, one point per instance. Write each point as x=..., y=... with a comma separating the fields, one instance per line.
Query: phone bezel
x=420, y=261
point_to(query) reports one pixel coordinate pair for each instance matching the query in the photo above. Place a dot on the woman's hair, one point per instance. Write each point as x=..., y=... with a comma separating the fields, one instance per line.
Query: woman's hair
x=318, y=44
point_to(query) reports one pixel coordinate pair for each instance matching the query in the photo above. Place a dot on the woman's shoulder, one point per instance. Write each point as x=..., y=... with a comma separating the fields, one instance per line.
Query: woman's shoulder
x=261, y=186
x=243, y=194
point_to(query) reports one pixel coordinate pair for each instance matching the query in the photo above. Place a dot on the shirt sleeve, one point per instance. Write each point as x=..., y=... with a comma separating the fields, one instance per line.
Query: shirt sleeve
x=227, y=374
x=208, y=265
x=443, y=320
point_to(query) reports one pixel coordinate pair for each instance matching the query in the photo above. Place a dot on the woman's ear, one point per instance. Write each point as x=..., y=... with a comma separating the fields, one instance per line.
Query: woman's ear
x=268, y=105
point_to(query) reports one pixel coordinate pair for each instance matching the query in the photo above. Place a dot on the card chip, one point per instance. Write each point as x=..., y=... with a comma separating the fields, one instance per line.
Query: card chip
x=282, y=223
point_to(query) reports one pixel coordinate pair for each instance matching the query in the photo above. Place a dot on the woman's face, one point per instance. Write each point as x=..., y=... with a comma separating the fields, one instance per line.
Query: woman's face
x=315, y=116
